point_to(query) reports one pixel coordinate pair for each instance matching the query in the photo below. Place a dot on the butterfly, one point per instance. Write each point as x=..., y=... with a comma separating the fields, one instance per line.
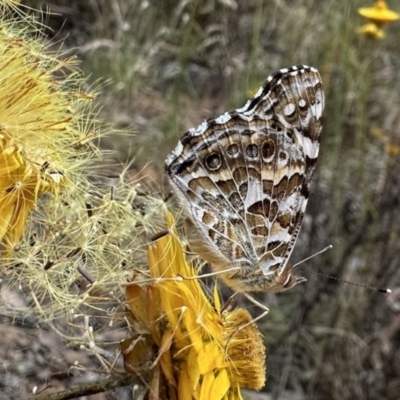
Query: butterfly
x=244, y=179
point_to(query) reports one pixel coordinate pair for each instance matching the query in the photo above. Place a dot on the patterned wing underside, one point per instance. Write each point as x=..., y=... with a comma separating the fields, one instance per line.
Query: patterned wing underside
x=246, y=174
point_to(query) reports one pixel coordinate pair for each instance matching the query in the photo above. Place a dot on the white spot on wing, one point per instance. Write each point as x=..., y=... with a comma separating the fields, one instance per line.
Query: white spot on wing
x=174, y=154
x=289, y=109
x=254, y=193
x=223, y=119
x=310, y=148
x=200, y=129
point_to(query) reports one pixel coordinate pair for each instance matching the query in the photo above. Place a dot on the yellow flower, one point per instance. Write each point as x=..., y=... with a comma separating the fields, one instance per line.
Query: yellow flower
x=20, y=185
x=379, y=14
x=203, y=351
x=42, y=126
x=379, y=134
x=371, y=30
x=392, y=149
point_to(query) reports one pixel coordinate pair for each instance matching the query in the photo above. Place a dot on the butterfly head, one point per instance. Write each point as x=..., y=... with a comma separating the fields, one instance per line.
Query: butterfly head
x=287, y=279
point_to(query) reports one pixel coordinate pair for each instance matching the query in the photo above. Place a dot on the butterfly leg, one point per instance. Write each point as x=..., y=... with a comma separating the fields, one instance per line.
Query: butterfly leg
x=262, y=315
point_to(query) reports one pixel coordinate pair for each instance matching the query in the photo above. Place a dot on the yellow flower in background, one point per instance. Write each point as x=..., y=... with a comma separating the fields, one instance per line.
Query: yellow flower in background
x=371, y=30
x=202, y=352
x=378, y=15
x=390, y=148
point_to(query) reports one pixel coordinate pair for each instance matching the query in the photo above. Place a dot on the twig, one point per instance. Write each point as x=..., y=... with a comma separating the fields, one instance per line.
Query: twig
x=113, y=382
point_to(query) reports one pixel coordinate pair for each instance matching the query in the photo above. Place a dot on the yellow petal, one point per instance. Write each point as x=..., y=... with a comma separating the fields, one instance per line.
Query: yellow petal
x=379, y=14
x=10, y=161
x=192, y=368
x=194, y=330
x=6, y=214
x=221, y=385
x=184, y=387
x=145, y=305
x=217, y=301
x=206, y=387
x=372, y=30
x=211, y=357
x=18, y=222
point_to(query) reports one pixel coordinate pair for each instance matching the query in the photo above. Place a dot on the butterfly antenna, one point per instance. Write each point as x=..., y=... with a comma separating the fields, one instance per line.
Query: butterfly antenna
x=387, y=290
x=314, y=255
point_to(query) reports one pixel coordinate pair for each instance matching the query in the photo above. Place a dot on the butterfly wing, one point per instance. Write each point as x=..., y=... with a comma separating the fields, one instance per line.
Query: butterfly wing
x=245, y=176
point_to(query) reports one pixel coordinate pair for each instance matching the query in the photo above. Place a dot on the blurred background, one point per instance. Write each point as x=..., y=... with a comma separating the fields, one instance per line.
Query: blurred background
x=167, y=65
